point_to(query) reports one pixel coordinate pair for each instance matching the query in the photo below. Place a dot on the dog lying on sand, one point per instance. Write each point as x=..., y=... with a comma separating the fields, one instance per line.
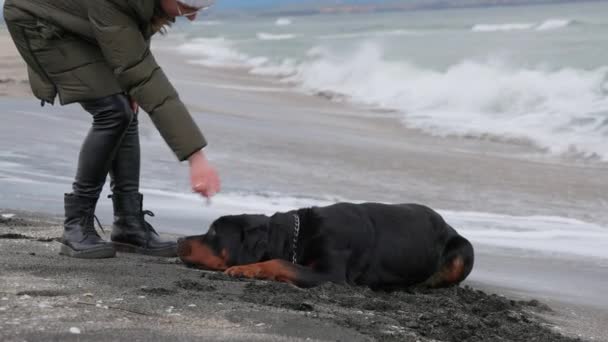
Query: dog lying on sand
x=382, y=246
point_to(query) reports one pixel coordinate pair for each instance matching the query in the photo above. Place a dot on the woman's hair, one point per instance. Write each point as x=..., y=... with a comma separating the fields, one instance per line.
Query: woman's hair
x=160, y=20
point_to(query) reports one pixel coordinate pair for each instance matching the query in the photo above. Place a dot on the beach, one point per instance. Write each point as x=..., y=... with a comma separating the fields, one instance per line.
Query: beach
x=537, y=219
x=47, y=297
x=14, y=74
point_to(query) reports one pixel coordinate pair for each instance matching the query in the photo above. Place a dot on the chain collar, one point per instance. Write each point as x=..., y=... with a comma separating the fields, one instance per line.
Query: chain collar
x=296, y=234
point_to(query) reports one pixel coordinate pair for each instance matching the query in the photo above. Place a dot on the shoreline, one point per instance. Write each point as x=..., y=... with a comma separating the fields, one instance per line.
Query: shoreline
x=450, y=173
x=158, y=299
x=13, y=73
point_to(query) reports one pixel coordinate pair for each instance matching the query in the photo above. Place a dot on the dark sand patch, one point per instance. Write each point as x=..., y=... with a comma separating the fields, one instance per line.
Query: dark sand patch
x=13, y=236
x=157, y=291
x=455, y=314
x=187, y=284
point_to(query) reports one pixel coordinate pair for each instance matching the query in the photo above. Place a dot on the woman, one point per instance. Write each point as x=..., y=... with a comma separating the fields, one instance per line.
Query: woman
x=97, y=53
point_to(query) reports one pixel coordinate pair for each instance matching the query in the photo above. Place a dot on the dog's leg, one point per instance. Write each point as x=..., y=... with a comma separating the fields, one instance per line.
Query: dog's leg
x=280, y=270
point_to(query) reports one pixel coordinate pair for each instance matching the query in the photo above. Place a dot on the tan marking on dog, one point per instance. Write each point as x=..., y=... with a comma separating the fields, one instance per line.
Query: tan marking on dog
x=269, y=270
x=203, y=256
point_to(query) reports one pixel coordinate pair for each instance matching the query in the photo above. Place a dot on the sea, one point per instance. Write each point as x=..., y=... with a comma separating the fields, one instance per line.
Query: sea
x=526, y=74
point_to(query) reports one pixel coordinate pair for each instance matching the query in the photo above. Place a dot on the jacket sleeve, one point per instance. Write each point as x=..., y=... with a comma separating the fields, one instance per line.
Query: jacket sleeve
x=129, y=56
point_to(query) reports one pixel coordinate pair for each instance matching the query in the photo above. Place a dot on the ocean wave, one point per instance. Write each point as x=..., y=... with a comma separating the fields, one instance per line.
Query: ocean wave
x=218, y=52
x=554, y=24
x=284, y=69
x=369, y=34
x=502, y=27
x=270, y=36
x=283, y=22
x=547, y=25
x=547, y=234
x=563, y=111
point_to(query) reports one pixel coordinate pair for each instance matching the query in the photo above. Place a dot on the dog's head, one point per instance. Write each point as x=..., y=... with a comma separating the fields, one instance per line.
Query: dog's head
x=231, y=240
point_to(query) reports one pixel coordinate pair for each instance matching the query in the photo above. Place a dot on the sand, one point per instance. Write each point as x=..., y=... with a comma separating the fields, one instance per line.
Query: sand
x=13, y=73
x=44, y=296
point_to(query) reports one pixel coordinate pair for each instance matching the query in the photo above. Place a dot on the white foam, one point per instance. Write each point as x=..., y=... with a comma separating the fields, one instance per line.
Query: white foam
x=7, y=165
x=283, y=22
x=370, y=34
x=12, y=179
x=547, y=234
x=502, y=27
x=218, y=52
x=562, y=110
x=547, y=25
x=284, y=69
x=12, y=155
x=239, y=203
x=554, y=24
x=270, y=36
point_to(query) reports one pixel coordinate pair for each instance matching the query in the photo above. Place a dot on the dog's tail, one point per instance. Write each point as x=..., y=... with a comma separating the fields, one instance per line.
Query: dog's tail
x=456, y=263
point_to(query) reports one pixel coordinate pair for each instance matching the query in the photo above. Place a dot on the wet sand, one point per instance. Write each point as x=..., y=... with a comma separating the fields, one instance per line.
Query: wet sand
x=322, y=147
x=13, y=74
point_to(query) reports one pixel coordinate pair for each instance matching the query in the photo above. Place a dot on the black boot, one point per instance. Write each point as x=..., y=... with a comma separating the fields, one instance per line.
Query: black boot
x=80, y=240
x=131, y=233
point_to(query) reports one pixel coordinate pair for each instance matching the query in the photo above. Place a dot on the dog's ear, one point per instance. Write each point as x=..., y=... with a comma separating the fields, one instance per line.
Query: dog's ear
x=255, y=238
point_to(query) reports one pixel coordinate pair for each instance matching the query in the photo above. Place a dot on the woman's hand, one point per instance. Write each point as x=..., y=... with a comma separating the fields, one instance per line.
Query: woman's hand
x=134, y=105
x=203, y=177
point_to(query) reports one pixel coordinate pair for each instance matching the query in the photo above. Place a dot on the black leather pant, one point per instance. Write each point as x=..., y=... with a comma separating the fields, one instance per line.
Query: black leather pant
x=111, y=146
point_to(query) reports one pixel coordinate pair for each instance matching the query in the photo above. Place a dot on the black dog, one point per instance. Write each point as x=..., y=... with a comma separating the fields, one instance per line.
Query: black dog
x=378, y=245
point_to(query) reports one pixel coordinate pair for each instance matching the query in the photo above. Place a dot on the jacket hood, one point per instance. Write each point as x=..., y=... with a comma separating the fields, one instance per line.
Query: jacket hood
x=144, y=9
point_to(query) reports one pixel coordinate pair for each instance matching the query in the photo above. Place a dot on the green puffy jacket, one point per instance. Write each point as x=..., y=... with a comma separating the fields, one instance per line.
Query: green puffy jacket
x=87, y=49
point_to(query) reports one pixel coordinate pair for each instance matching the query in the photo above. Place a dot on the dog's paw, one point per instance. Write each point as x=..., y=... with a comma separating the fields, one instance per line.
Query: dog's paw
x=248, y=271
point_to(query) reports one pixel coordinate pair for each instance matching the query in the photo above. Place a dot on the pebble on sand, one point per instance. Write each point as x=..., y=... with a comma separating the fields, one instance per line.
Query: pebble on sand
x=74, y=330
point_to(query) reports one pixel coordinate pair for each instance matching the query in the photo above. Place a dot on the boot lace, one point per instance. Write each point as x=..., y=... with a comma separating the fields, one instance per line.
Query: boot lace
x=145, y=223
x=89, y=224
